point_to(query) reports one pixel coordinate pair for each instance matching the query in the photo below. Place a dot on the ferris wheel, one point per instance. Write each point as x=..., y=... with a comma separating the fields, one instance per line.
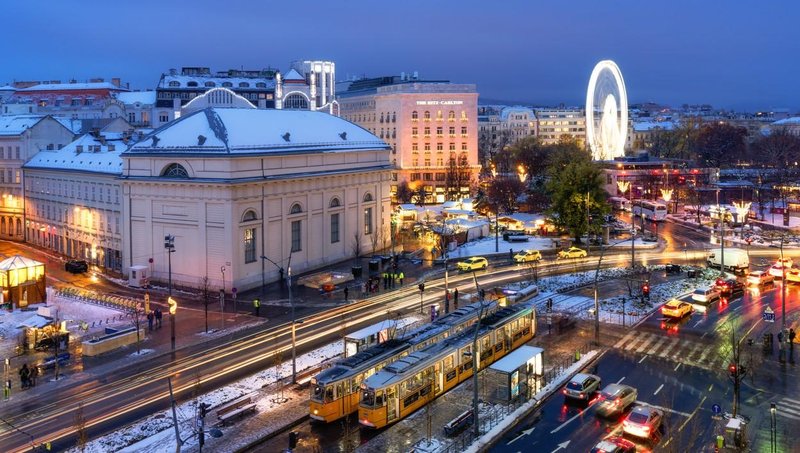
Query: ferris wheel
x=606, y=112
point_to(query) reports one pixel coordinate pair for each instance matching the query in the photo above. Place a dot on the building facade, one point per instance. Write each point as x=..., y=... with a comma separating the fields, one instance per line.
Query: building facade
x=553, y=123
x=235, y=184
x=73, y=199
x=21, y=137
x=76, y=100
x=431, y=127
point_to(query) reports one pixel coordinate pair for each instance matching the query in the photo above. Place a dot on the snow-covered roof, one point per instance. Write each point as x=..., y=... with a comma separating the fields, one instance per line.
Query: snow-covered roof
x=219, y=130
x=787, y=121
x=18, y=262
x=73, y=124
x=293, y=75
x=218, y=81
x=94, y=157
x=516, y=358
x=516, y=109
x=17, y=124
x=7, y=88
x=72, y=86
x=645, y=126
x=408, y=207
x=132, y=97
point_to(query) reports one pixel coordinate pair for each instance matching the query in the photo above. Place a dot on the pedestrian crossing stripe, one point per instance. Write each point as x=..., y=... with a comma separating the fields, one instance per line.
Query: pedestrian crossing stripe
x=788, y=408
x=646, y=343
x=657, y=346
x=624, y=339
x=688, y=352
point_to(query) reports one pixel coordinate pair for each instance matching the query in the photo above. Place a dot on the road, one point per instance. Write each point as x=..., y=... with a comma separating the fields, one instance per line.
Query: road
x=681, y=367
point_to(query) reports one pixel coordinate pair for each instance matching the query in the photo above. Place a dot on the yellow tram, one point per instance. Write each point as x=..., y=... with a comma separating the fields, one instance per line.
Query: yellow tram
x=413, y=381
x=335, y=392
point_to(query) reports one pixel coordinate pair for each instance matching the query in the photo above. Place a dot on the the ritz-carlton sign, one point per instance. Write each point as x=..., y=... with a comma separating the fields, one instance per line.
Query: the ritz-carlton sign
x=440, y=102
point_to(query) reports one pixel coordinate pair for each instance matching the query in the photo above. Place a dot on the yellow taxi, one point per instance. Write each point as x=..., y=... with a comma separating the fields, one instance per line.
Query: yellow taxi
x=572, y=252
x=527, y=256
x=676, y=309
x=474, y=263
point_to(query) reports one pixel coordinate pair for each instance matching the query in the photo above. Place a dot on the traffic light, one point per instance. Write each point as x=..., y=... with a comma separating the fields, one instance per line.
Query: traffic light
x=646, y=290
x=292, y=440
x=732, y=370
x=421, y=287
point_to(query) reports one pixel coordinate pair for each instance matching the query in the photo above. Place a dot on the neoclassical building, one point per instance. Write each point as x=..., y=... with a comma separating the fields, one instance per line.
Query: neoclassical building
x=235, y=184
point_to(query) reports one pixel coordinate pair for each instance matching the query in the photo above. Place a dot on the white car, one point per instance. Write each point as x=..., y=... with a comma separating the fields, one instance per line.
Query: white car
x=643, y=421
x=705, y=294
x=777, y=270
x=758, y=278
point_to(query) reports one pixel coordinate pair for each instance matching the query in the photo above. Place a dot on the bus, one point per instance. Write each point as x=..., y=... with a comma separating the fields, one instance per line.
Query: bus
x=620, y=204
x=650, y=210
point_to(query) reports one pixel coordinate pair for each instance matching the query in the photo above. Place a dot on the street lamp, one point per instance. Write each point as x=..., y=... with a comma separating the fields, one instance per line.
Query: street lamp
x=521, y=173
x=173, y=310
x=773, y=432
x=291, y=303
x=222, y=296
x=169, y=244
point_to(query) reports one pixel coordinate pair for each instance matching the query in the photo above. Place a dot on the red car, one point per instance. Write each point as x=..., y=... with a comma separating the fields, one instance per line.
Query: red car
x=614, y=445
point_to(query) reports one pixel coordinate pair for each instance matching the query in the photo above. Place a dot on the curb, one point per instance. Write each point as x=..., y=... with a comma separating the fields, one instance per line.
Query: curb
x=254, y=443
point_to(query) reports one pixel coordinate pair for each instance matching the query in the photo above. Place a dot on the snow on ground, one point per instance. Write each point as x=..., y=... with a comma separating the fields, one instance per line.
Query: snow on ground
x=486, y=246
x=156, y=434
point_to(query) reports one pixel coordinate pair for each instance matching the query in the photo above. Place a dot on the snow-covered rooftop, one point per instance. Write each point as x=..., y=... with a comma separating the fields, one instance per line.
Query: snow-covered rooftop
x=244, y=131
x=72, y=86
x=94, y=156
x=17, y=124
x=644, y=126
x=516, y=109
x=132, y=97
x=293, y=75
x=200, y=80
x=787, y=121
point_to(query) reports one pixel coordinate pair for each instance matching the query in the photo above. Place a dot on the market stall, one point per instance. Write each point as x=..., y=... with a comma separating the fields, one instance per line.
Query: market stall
x=22, y=282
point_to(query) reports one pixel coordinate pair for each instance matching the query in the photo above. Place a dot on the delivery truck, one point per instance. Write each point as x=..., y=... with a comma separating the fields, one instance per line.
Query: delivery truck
x=736, y=260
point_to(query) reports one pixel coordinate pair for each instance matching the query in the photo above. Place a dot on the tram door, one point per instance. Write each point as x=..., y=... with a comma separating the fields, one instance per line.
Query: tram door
x=438, y=377
x=391, y=403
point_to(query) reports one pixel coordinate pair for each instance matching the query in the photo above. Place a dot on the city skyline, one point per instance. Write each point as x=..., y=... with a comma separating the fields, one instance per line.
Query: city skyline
x=724, y=54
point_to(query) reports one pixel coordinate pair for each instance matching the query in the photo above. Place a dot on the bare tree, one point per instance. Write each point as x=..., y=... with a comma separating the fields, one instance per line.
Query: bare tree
x=136, y=311
x=404, y=193
x=205, y=291
x=355, y=246
x=80, y=428
x=377, y=239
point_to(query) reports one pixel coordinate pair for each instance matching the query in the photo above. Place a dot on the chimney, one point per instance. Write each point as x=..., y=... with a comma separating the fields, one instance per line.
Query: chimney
x=116, y=82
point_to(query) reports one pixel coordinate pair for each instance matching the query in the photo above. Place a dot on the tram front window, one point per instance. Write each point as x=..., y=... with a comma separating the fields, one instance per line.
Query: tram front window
x=368, y=397
x=317, y=392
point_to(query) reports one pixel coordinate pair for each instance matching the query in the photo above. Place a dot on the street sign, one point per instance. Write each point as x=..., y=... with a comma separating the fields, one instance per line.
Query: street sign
x=768, y=315
x=716, y=409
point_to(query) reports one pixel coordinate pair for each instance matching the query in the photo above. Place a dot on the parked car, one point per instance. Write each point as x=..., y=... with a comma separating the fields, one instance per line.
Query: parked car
x=526, y=256
x=470, y=264
x=759, y=278
x=614, y=445
x=572, y=252
x=729, y=287
x=616, y=398
x=643, y=421
x=76, y=266
x=793, y=276
x=582, y=386
x=672, y=268
x=705, y=294
x=676, y=309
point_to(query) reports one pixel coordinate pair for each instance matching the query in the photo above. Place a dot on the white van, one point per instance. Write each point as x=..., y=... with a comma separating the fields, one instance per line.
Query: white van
x=736, y=260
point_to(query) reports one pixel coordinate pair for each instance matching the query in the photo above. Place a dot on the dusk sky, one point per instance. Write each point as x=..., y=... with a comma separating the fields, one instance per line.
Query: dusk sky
x=732, y=54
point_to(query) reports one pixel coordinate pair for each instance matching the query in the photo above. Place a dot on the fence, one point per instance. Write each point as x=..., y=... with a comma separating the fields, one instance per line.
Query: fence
x=116, y=302
x=498, y=412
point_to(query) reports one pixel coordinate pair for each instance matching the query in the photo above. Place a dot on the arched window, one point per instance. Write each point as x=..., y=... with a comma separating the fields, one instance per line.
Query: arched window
x=296, y=209
x=439, y=115
x=426, y=116
x=261, y=85
x=295, y=101
x=210, y=84
x=174, y=83
x=249, y=215
x=414, y=116
x=367, y=197
x=335, y=203
x=191, y=84
x=175, y=171
x=451, y=115
x=244, y=85
x=227, y=84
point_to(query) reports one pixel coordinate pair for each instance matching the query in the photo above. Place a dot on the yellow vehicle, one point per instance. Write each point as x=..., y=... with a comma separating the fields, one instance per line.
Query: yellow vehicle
x=474, y=263
x=677, y=309
x=527, y=256
x=410, y=383
x=572, y=252
x=335, y=391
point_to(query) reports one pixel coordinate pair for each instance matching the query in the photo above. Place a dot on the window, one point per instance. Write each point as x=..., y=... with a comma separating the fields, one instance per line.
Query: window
x=414, y=116
x=439, y=131
x=210, y=84
x=250, y=245
x=335, y=203
x=427, y=131
x=261, y=85
x=227, y=84
x=415, y=176
x=452, y=147
x=427, y=147
x=439, y=146
x=295, y=101
x=296, y=209
x=463, y=115
x=16, y=153
x=367, y=220
x=452, y=131
x=191, y=84
x=297, y=245
x=415, y=147
x=163, y=117
x=438, y=115
x=174, y=83
x=175, y=171
x=451, y=116
x=249, y=216
x=427, y=115
x=334, y=228
x=367, y=197
x=463, y=131
x=244, y=85
x=463, y=146
x=427, y=176
x=414, y=132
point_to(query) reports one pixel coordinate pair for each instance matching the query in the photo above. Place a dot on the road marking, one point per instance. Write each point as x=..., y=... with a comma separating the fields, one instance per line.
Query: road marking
x=790, y=400
x=677, y=366
x=704, y=354
x=644, y=345
x=657, y=345
x=673, y=342
x=710, y=387
x=643, y=357
x=665, y=409
x=558, y=428
x=621, y=379
x=658, y=389
x=524, y=433
x=698, y=323
x=624, y=339
x=684, y=344
x=692, y=414
x=636, y=341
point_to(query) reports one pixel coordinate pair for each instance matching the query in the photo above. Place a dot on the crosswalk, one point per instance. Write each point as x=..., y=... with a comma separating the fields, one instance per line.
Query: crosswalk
x=788, y=408
x=699, y=353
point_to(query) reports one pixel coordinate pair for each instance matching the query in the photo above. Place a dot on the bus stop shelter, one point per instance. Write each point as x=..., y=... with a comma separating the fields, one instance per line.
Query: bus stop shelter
x=517, y=374
x=22, y=282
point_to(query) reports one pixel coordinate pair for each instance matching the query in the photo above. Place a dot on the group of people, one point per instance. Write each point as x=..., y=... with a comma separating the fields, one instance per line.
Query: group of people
x=154, y=317
x=391, y=278
x=27, y=376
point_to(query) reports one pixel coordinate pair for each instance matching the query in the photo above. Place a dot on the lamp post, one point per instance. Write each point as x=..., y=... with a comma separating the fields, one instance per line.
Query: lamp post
x=773, y=432
x=169, y=244
x=222, y=296
x=173, y=310
x=477, y=430
x=291, y=303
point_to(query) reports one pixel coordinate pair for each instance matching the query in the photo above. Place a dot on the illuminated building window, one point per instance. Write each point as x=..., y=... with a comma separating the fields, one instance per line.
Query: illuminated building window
x=463, y=146
x=427, y=131
x=367, y=220
x=452, y=147
x=438, y=115
x=414, y=132
x=451, y=116
x=249, y=245
x=452, y=131
x=439, y=146
x=415, y=147
x=439, y=131
x=463, y=116
x=427, y=147
x=427, y=116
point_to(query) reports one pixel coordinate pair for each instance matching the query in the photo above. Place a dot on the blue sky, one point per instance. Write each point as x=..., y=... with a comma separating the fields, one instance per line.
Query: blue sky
x=733, y=54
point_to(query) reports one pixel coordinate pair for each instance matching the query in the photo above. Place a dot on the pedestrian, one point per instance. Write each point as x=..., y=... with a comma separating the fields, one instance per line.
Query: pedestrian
x=401, y=276
x=150, y=317
x=281, y=273
x=511, y=254
x=363, y=289
x=791, y=338
x=394, y=278
x=780, y=339
x=159, y=315
x=455, y=299
x=24, y=374
x=346, y=293
x=256, y=306
x=385, y=280
x=33, y=375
